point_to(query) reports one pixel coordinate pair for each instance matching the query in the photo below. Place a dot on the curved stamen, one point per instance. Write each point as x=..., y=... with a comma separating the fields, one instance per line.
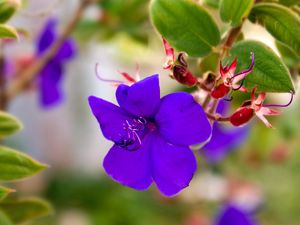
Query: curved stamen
x=104, y=79
x=248, y=70
x=236, y=89
x=280, y=105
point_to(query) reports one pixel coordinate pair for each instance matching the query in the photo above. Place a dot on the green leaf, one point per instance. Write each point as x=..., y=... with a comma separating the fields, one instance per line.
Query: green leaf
x=8, y=8
x=8, y=124
x=280, y=21
x=23, y=210
x=209, y=63
x=7, y=31
x=269, y=73
x=212, y=3
x=4, y=220
x=186, y=25
x=234, y=11
x=290, y=58
x=15, y=165
x=4, y=192
x=289, y=2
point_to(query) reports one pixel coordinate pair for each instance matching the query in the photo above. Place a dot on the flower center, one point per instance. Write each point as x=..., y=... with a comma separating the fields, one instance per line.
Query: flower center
x=135, y=130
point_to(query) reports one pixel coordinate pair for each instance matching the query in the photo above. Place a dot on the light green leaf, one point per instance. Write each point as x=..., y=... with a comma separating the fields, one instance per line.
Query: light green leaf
x=4, y=220
x=4, y=192
x=234, y=11
x=269, y=73
x=212, y=3
x=7, y=31
x=186, y=25
x=23, y=210
x=280, y=21
x=8, y=124
x=15, y=165
x=8, y=8
x=289, y=2
x=290, y=58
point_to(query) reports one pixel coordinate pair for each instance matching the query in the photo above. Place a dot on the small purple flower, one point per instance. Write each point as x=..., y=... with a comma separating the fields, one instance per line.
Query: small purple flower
x=223, y=139
x=51, y=75
x=151, y=136
x=232, y=215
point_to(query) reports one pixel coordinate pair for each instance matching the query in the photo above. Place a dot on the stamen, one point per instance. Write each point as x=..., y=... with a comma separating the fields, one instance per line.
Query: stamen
x=248, y=70
x=280, y=105
x=241, y=85
x=104, y=79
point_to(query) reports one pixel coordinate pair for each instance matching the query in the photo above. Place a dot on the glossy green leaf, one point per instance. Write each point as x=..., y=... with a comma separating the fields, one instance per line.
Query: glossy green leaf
x=8, y=124
x=290, y=58
x=7, y=31
x=186, y=25
x=4, y=220
x=234, y=11
x=289, y=2
x=269, y=74
x=23, y=210
x=280, y=21
x=4, y=192
x=15, y=165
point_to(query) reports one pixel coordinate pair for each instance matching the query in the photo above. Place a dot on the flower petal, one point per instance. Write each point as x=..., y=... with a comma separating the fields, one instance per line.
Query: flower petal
x=110, y=118
x=173, y=166
x=233, y=216
x=140, y=99
x=47, y=36
x=241, y=75
x=130, y=168
x=49, y=84
x=181, y=120
x=223, y=140
x=66, y=51
x=261, y=116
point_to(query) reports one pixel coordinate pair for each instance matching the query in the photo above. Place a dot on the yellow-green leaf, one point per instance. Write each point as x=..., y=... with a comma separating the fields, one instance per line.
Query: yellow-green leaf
x=4, y=220
x=4, y=192
x=15, y=165
x=23, y=210
x=8, y=124
x=7, y=31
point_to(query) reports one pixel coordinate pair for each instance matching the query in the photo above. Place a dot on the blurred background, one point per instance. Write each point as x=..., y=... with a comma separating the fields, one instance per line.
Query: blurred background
x=264, y=171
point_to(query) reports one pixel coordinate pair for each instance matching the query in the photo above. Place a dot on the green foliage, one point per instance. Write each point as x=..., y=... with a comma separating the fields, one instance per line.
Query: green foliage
x=4, y=192
x=8, y=8
x=212, y=3
x=290, y=58
x=23, y=210
x=280, y=21
x=269, y=73
x=234, y=11
x=209, y=63
x=289, y=2
x=7, y=31
x=9, y=124
x=4, y=220
x=15, y=165
x=187, y=26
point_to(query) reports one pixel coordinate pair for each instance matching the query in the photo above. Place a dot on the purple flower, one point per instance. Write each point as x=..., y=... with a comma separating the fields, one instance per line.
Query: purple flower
x=232, y=215
x=223, y=139
x=51, y=75
x=151, y=136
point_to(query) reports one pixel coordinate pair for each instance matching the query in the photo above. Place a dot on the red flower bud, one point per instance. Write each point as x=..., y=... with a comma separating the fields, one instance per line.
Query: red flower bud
x=242, y=116
x=220, y=91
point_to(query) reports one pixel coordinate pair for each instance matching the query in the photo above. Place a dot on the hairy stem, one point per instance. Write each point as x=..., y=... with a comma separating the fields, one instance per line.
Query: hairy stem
x=28, y=75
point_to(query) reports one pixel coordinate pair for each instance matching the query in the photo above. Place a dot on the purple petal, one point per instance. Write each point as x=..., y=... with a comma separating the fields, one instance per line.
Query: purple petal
x=233, y=216
x=110, y=118
x=140, y=99
x=181, y=120
x=49, y=84
x=66, y=51
x=223, y=141
x=130, y=168
x=47, y=36
x=173, y=166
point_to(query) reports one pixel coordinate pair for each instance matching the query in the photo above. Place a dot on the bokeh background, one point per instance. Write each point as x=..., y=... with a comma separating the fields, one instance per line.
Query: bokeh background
x=264, y=170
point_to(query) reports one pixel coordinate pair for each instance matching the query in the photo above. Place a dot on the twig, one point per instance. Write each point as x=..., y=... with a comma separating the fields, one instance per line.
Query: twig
x=31, y=72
